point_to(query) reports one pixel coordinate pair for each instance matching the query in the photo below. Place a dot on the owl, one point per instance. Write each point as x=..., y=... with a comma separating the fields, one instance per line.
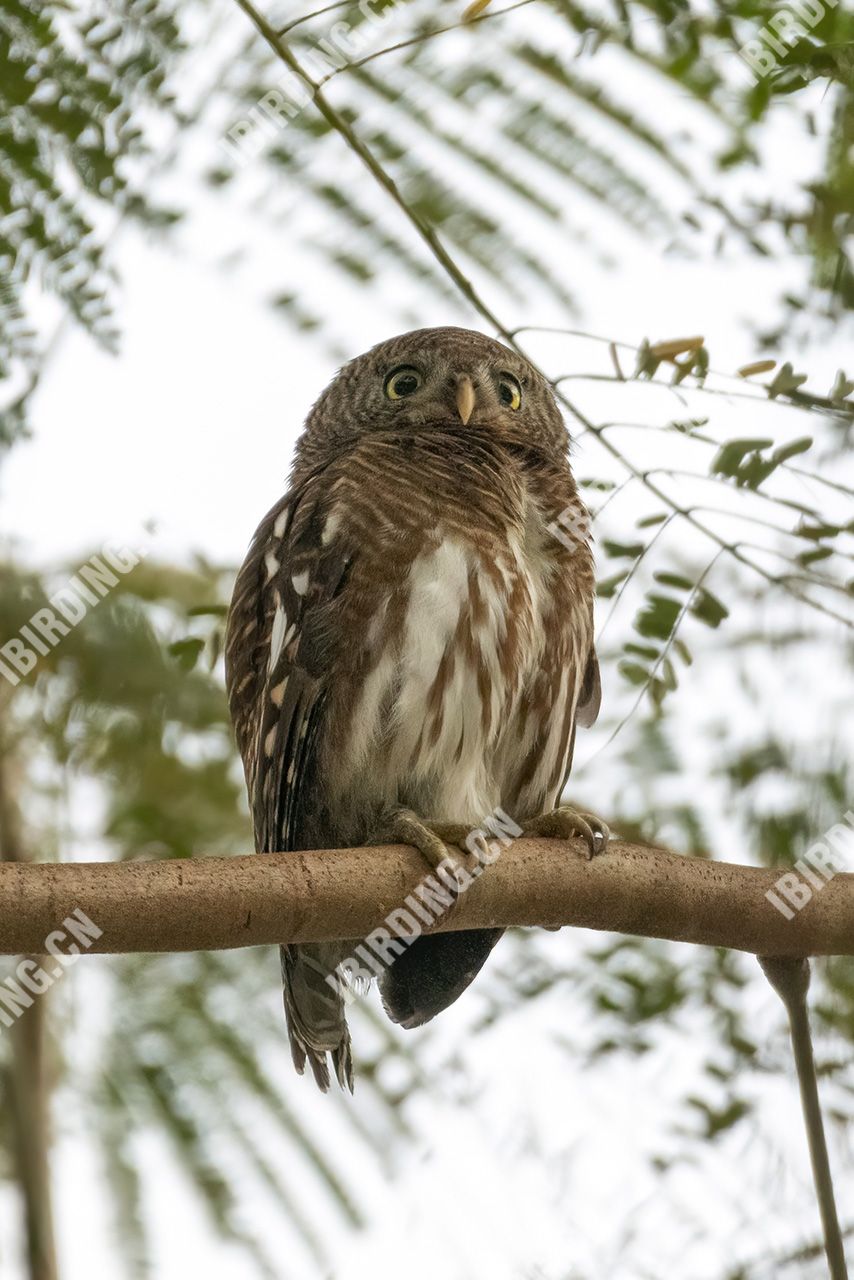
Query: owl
x=410, y=643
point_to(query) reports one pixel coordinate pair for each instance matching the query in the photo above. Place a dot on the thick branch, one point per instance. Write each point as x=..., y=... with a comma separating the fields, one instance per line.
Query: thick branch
x=211, y=903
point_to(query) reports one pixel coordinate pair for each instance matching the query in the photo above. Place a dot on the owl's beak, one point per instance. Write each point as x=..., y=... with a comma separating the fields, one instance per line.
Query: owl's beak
x=465, y=399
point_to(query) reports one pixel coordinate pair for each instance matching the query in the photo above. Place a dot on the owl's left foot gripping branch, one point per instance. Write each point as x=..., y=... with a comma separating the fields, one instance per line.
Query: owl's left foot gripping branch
x=441, y=843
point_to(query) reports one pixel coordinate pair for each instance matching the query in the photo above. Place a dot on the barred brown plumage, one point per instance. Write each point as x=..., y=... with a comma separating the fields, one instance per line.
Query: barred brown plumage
x=406, y=633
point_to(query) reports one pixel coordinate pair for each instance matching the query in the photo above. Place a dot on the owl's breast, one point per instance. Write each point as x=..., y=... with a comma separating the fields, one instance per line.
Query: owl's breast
x=455, y=653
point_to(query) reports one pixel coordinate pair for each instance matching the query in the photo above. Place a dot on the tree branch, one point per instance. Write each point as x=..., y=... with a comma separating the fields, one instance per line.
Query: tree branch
x=212, y=903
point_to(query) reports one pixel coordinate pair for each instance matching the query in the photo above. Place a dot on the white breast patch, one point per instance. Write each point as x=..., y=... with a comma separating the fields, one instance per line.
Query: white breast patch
x=404, y=736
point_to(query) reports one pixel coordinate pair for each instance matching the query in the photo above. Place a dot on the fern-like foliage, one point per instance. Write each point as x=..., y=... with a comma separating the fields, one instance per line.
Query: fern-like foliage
x=538, y=138
x=76, y=87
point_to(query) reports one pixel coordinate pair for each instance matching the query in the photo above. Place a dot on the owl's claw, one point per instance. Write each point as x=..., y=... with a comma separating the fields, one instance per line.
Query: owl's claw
x=565, y=822
x=434, y=840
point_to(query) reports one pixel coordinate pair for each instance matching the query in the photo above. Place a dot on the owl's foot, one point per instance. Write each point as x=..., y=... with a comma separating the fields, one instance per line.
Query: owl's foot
x=565, y=822
x=434, y=840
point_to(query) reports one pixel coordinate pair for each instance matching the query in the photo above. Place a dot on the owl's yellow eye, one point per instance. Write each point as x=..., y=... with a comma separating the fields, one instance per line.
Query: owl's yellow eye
x=402, y=382
x=509, y=391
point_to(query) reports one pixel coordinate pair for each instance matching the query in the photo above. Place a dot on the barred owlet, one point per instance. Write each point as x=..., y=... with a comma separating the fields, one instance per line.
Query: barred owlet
x=409, y=646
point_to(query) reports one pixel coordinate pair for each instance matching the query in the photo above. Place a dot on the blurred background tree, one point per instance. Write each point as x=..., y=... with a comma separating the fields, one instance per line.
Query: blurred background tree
x=551, y=148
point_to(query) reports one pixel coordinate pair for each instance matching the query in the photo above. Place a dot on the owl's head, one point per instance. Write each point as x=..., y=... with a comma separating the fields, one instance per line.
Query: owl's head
x=439, y=379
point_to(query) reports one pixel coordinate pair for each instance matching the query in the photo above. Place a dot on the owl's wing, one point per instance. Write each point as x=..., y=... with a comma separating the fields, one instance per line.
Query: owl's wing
x=590, y=698
x=283, y=641
x=586, y=709
x=283, y=628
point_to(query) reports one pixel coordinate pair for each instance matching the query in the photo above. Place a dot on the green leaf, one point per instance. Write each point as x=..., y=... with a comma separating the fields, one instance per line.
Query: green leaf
x=187, y=652
x=842, y=386
x=622, y=550
x=814, y=532
x=668, y=674
x=658, y=618
x=642, y=650
x=728, y=460
x=785, y=381
x=709, y=609
x=208, y=610
x=607, y=587
x=674, y=580
x=633, y=672
x=791, y=450
x=811, y=557
x=682, y=649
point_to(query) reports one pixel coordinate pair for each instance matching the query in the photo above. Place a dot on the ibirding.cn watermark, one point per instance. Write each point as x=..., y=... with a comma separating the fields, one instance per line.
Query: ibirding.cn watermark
x=30, y=979
x=833, y=852
x=427, y=903
x=69, y=605
x=792, y=22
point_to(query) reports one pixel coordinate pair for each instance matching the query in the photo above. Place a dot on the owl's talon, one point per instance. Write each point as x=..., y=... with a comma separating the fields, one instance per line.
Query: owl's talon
x=565, y=822
x=433, y=840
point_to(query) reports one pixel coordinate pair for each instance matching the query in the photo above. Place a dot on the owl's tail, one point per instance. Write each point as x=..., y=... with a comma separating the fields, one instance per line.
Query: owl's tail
x=315, y=1012
x=433, y=972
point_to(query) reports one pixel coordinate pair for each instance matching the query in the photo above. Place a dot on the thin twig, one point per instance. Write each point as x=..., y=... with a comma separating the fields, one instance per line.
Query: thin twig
x=671, y=639
x=316, y=13
x=665, y=524
x=420, y=39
